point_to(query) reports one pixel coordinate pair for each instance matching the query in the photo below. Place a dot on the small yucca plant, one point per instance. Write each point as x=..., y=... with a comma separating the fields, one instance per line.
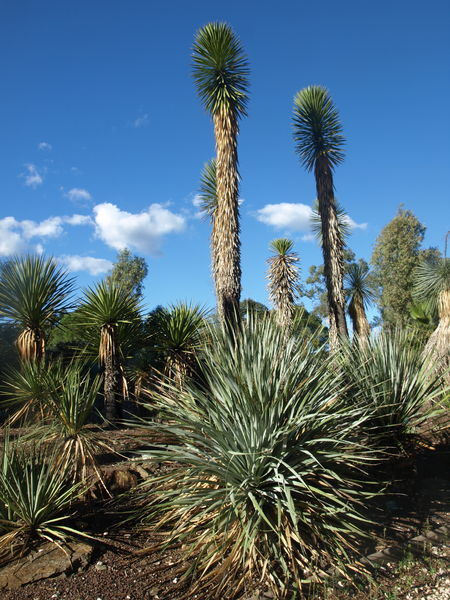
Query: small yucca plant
x=36, y=497
x=265, y=483
x=390, y=379
x=283, y=280
x=70, y=406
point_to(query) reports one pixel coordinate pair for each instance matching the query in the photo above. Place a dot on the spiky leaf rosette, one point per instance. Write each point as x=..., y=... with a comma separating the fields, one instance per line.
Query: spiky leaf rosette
x=317, y=128
x=220, y=69
x=34, y=292
x=432, y=284
x=35, y=499
x=104, y=311
x=391, y=378
x=266, y=485
x=179, y=337
x=358, y=284
x=208, y=189
x=283, y=279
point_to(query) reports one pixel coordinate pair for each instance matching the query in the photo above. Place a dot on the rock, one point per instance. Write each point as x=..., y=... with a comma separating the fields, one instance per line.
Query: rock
x=122, y=481
x=141, y=471
x=48, y=561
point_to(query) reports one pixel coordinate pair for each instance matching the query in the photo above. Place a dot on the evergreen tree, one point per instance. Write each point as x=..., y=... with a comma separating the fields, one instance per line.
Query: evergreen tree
x=394, y=259
x=129, y=272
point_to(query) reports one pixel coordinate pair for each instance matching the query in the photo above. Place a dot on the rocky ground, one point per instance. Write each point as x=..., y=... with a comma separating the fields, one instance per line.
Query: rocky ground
x=409, y=553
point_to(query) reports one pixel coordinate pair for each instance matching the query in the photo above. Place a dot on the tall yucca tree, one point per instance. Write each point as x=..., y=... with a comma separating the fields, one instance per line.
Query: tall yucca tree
x=107, y=312
x=283, y=279
x=319, y=142
x=432, y=285
x=360, y=295
x=34, y=291
x=220, y=71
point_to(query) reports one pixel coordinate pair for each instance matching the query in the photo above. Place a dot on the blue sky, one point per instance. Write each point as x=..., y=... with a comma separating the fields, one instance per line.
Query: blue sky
x=104, y=137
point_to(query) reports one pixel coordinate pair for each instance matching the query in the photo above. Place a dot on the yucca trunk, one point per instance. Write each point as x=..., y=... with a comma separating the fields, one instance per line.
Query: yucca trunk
x=226, y=257
x=438, y=346
x=361, y=327
x=31, y=344
x=111, y=373
x=332, y=248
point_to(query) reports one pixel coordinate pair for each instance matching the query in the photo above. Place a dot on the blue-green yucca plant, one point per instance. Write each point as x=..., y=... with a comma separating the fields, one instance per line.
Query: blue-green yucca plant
x=267, y=465
x=395, y=385
x=35, y=499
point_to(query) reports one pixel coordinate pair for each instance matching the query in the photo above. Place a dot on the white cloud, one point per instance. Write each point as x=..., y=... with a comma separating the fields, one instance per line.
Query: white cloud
x=45, y=146
x=78, y=194
x=295, y=218
x=197, y=200
x=11, y=242
x=95, y=266
x=51, y=227
x=353, y=225
x=285, y=215
x=32, y=176
x=78, y=220
x=141, y=231
x=16, y=236
x=141, y=121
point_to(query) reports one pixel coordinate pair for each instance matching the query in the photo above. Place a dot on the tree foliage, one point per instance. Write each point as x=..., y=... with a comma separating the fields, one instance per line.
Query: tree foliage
x=394, y=260
x=129, y=272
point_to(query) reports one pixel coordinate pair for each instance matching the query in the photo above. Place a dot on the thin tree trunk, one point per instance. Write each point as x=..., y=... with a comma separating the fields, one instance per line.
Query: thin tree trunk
x=332, y=248
x=225, y=235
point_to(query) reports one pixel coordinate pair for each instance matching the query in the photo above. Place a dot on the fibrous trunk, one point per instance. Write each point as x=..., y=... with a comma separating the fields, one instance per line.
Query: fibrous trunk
x=225, y=235
x=109, y=360
x=31, y=344
x=361, y=327
x=438, y=345
x=332, y=248
x=282, y=278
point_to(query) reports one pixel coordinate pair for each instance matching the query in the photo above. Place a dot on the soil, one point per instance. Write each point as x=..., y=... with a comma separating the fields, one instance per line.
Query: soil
x=418, y=500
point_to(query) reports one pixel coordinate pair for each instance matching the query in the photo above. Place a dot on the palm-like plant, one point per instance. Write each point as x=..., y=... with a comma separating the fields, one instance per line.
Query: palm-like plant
x=319, y=141
x=34, y=292
x=179, y=337
x=266, y=486
x=360, y=295
x=432, y=286
x=220, y=71
x=109, y=314
x=283, y=280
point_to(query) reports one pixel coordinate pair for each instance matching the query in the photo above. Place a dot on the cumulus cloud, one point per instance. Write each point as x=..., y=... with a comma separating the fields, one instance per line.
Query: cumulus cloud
x=141, y=121
x=32, y=177
x=294, y=217
x=94, y=266
x=285, y=215
x=45, y=146
x=16, y=236
x=78, y=195
x=141, y=231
